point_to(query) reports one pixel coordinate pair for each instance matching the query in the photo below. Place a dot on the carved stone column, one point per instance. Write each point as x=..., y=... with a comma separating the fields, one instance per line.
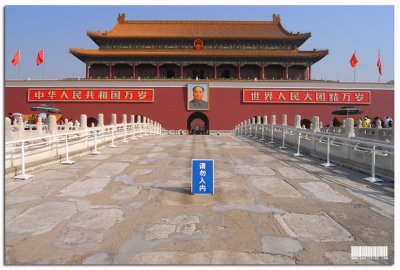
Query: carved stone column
x=297, y=121
x=52, y=124
x=315, y=124
x=100, y=117
x=273, y=119
x=265, y=119
x=349, y=128
x=284, y=120
x=262, y=72
x=87, y=70
x=83, y=121
x=113, y=119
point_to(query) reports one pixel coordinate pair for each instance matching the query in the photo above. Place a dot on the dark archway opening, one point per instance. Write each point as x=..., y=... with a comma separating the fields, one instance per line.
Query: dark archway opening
x=197, y=123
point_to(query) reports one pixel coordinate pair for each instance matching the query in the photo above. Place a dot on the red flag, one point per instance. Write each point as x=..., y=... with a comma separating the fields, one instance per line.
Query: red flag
x=40, y=57
x=379, y=64
x=353, y=60
x=16, y=58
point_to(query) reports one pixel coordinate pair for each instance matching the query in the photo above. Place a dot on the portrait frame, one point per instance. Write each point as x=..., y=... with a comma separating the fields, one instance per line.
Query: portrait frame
x=189, y=97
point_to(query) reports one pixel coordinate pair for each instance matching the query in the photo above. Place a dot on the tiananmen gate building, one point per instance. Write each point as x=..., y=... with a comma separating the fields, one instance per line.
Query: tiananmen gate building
x=243, y=68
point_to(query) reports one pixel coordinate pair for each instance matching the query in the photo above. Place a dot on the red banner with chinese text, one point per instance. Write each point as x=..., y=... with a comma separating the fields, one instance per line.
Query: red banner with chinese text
x=91, y=95
x=306, y=96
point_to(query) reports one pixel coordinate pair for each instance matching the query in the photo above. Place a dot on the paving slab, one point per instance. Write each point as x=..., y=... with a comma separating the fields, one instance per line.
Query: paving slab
x=88, y=227
x=324, y=192
x=318, y=227
x=42, y=218
x=281, y=245
x=85, y=187
x=275, y=187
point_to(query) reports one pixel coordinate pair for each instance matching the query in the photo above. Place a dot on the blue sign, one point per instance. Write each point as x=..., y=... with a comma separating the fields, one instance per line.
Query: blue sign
x=202, y=176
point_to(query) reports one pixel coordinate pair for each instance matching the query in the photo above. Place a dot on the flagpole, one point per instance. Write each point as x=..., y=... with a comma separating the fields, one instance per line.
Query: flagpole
x=379, y=73
x=19, y=64
x=43, y=65
x=353, y=63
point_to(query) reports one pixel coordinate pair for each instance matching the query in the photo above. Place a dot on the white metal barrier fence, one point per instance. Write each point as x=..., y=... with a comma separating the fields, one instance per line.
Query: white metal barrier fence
x=49, y=146
x=354, y=150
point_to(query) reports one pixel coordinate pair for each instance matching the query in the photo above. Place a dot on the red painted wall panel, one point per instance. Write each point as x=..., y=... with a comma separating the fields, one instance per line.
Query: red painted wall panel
x=226, y=107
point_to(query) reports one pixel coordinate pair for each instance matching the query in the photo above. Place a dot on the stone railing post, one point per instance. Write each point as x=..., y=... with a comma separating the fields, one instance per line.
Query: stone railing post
x=273, y=119
x=359, y=123
x=77, y=125
x=349, y=128
x=258, y=122
x=83, y=121
x=132, y=119
x=7, y=126
x=144, y=121
x=21, y=127
x=284, y=120
x=100, y=117
x=265, y=119
x=297, y=121
x=113, y=119
x=66, y=124
x=53, y=124
x=124, y=119
x=378, y=124
x=39, y=126
x=315, y=124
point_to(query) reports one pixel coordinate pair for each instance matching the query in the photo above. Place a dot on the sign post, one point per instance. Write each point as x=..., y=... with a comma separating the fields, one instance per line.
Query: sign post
x=202, y=176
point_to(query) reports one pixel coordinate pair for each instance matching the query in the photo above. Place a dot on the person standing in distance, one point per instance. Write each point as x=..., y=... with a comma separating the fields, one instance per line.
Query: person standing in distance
x=197, y=102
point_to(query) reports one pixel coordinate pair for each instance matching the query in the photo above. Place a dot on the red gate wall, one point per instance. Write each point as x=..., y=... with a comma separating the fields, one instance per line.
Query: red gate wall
x=169, y=107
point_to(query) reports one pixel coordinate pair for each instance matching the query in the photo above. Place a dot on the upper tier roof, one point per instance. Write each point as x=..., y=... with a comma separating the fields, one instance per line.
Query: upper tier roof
x=199, y=29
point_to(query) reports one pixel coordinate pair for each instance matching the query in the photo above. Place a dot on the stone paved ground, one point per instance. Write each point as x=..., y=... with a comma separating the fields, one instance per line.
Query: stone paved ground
x=132, y=205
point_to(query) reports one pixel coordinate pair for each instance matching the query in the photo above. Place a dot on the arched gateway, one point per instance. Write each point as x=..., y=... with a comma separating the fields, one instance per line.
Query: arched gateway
x=197, y=123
